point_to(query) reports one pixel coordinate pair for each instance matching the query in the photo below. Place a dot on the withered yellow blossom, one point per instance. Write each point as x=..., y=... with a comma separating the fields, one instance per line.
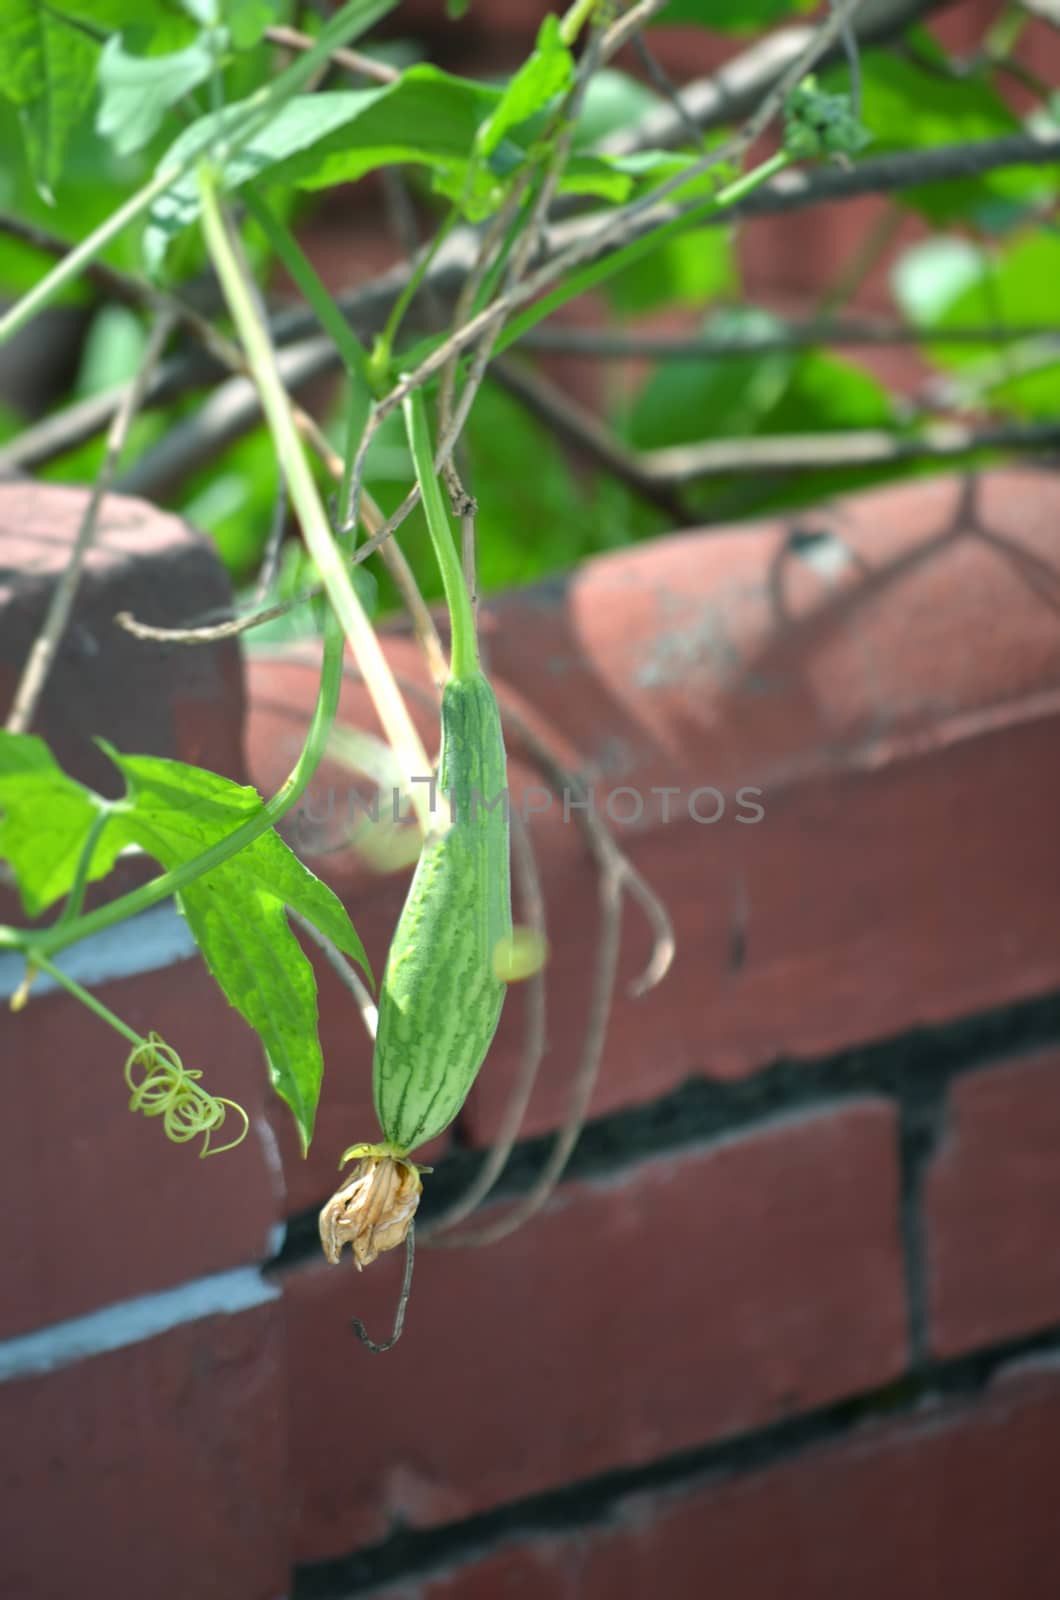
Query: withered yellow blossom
x=373, y=1209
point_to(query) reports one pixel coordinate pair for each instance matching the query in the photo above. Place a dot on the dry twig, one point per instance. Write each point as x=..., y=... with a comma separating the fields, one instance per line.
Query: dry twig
x=42, y=655
x=349, y=60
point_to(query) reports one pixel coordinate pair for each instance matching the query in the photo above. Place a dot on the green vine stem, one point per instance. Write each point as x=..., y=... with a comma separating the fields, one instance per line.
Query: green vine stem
x=166, y=1088
x=384, y=344
x=464, y=662
x=39, y=944
x=76, y=898
x=344, y=26
x=71, y=985
x=364, y=643
x=304, y=276
x=579, y=14
x=72, y=265
x=597, y=271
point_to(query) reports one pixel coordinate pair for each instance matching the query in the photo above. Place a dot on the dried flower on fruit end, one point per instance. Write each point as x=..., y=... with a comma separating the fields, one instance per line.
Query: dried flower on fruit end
x=374, y=1208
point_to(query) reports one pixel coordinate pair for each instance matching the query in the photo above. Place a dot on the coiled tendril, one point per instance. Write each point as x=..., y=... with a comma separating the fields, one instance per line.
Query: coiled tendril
x=170, y=1090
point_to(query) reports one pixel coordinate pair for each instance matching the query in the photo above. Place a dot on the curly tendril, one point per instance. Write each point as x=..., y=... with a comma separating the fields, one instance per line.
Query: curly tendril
x=162, y=1086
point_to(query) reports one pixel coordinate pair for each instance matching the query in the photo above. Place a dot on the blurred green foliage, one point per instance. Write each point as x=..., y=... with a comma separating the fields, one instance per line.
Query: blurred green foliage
x=991, y=256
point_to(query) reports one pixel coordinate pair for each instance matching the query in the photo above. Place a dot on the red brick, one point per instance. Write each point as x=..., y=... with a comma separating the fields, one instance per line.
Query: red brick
x=146, y=698
x=157, y=1469
x=958, y=1505
x=903, y=872
x=992, y=1208
x=101, y=1206
x=143, y=696
x=873, y=901
x=690, y=1298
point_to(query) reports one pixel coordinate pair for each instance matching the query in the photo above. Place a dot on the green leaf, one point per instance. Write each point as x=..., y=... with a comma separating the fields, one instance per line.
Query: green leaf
x=829, y=392
x=595, y=175
x=1014, y=286
x=238, y=912
x=930, y=274
x=1019, y=284
x=731, y=16
x=1030, y=394
x=246, y=20
x=118, y=15
x=914, y=102
x=137, y=91
x=426, y=117
x=45, y=820
x=47, y=69
x=112, y=351
x=546, y=72
x=688, y=270
x=613, y=102
x=721, y=397
x=766, y=393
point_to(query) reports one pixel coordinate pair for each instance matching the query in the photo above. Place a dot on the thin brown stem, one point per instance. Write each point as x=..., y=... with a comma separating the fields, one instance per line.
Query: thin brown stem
x=482, y=330
x=402, y=1306
x=605, y=969
x=423, y=624
x=347, y=974
x=580, y=428
x=349, y=60
x=662, y=81
x=108, y=280
x=614, y=345
x=603, y=848
x=736, y=88
x=853, y=447
x=198, y=440
x=46, y=645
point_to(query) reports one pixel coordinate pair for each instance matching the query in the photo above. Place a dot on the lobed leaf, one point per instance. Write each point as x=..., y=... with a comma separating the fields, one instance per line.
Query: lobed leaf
x=427, y=117
x=546, y=72
x=238, y=912
x=137, y=91
x=44, y=821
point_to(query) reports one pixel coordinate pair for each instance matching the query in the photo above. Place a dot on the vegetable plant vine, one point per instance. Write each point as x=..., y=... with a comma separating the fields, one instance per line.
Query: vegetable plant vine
x=222, y=145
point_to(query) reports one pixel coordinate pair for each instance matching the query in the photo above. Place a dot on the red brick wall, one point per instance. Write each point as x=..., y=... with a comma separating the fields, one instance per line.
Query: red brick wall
x=790, y=1325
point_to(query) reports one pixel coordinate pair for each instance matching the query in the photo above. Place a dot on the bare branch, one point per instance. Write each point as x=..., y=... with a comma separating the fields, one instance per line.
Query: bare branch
x=349, y=60
x=578, y=427
x=735, y=90
x=613, y=345
x=860, y=447
x=193, y=441
x=114, y=284
x=663, y=82
x=224, y=416
x=937, y=441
